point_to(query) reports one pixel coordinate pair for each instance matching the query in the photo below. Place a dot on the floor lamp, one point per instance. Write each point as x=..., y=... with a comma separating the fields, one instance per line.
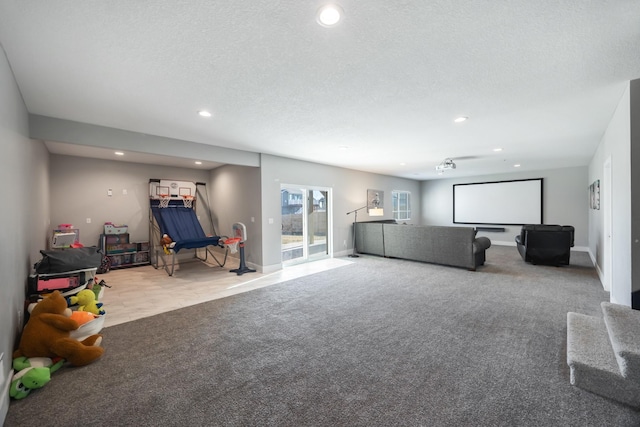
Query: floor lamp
x=372, y=212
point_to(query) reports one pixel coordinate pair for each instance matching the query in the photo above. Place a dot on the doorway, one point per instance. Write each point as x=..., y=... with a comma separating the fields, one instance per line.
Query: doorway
x=306, y=228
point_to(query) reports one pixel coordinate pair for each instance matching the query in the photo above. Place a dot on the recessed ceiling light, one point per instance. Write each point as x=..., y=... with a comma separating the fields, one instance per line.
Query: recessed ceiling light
x=119, y=153
x=204, y=113
x=343, y=147
x=461, y=119
x=403, y=164
x=497, y=149
x=329, y=15
x=198, y=162
x=517, y=165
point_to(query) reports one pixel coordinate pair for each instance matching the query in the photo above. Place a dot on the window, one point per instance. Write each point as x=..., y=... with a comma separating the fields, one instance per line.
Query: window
x=401, y=204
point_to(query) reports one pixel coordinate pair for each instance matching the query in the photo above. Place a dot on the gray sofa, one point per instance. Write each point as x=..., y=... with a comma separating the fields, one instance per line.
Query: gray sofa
x=455, y=246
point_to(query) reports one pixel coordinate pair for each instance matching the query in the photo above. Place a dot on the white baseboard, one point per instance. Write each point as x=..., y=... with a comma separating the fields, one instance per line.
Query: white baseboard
x=345, y=252
x=593, y=258
x=270, y=268
x=598, y=269
x=4, y=397
x=503, y=243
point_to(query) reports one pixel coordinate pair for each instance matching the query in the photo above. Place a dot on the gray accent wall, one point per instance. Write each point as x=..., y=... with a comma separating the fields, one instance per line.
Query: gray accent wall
x=244, y=194
x=349, y=191
x=24, y=174
x=235, y=197
x=565, y=200
x=79, y=188
x=614, y=145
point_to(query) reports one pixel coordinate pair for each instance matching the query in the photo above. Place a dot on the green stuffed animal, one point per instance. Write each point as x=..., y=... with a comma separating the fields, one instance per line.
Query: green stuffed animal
x=97, y=287
x=32, y=373
x=86, y=301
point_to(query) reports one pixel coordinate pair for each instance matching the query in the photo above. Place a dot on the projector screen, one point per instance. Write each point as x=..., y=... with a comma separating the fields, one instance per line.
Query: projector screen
x=498, y=203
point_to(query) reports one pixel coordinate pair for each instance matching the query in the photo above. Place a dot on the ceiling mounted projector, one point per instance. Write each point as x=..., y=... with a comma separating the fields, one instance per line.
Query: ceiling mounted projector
x=445, y=165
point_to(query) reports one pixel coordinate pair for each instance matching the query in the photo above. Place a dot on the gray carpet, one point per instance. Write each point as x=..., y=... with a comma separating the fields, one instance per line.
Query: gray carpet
x=382, y=342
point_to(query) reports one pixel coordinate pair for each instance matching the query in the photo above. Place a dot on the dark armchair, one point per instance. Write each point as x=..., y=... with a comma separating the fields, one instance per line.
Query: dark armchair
x=545, y=244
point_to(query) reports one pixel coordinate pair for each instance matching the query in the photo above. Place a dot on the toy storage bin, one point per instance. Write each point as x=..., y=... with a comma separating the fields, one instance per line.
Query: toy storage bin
x=64, y=237
x=110, y=228
x=121, y=248
x=141, y=257
x=122, y=252
x=68, y=283
x=116, y=239
x=114, y=249
x=90, y=328
x=130, y=247
x=116, y=260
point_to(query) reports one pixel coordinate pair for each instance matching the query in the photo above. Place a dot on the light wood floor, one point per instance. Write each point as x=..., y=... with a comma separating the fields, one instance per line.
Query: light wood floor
x=139, y=292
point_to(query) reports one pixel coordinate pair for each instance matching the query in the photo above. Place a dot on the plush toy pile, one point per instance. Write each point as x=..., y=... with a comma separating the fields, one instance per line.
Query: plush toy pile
x=31, y=373
x=87, y=301
x=167, y=244
x=46, y=334
x=46, y=343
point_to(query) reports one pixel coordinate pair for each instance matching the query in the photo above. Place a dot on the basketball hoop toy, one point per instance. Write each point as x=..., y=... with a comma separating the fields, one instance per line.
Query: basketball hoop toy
x=187, y=201
x=232, y=243
x=164, y=201
x=240, y=233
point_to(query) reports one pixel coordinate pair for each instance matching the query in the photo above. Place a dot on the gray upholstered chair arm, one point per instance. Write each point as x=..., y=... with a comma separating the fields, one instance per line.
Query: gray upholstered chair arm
x=481, y=244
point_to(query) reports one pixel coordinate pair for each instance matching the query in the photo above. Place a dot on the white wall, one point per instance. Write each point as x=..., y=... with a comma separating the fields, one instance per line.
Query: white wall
x=349, y=193
x=615, y=144
x=565, y=201
x=52, y=129
x=24, y=168
x=635, y=190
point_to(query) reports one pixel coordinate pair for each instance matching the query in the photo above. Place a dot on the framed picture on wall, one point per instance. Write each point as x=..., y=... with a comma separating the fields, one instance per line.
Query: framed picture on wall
x=594, y=195
x=375, y=199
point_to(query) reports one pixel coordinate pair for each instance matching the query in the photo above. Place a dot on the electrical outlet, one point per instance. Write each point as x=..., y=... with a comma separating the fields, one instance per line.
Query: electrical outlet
x=124, y=191
x=88, y=220
x=109, y=192
x=270, y=220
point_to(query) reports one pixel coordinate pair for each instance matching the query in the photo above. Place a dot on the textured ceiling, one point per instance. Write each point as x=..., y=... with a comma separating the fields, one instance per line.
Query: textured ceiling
x=539, y=79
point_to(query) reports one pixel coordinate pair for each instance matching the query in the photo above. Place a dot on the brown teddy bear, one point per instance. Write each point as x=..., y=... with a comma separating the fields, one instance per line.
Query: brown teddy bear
x=46, y=334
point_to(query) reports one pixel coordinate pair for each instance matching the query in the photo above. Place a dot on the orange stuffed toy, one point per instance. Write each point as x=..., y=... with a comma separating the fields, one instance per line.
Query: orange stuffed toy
x=46, y=334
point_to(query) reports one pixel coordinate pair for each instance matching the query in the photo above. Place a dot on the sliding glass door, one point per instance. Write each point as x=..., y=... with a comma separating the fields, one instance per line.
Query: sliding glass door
x=305, y=223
